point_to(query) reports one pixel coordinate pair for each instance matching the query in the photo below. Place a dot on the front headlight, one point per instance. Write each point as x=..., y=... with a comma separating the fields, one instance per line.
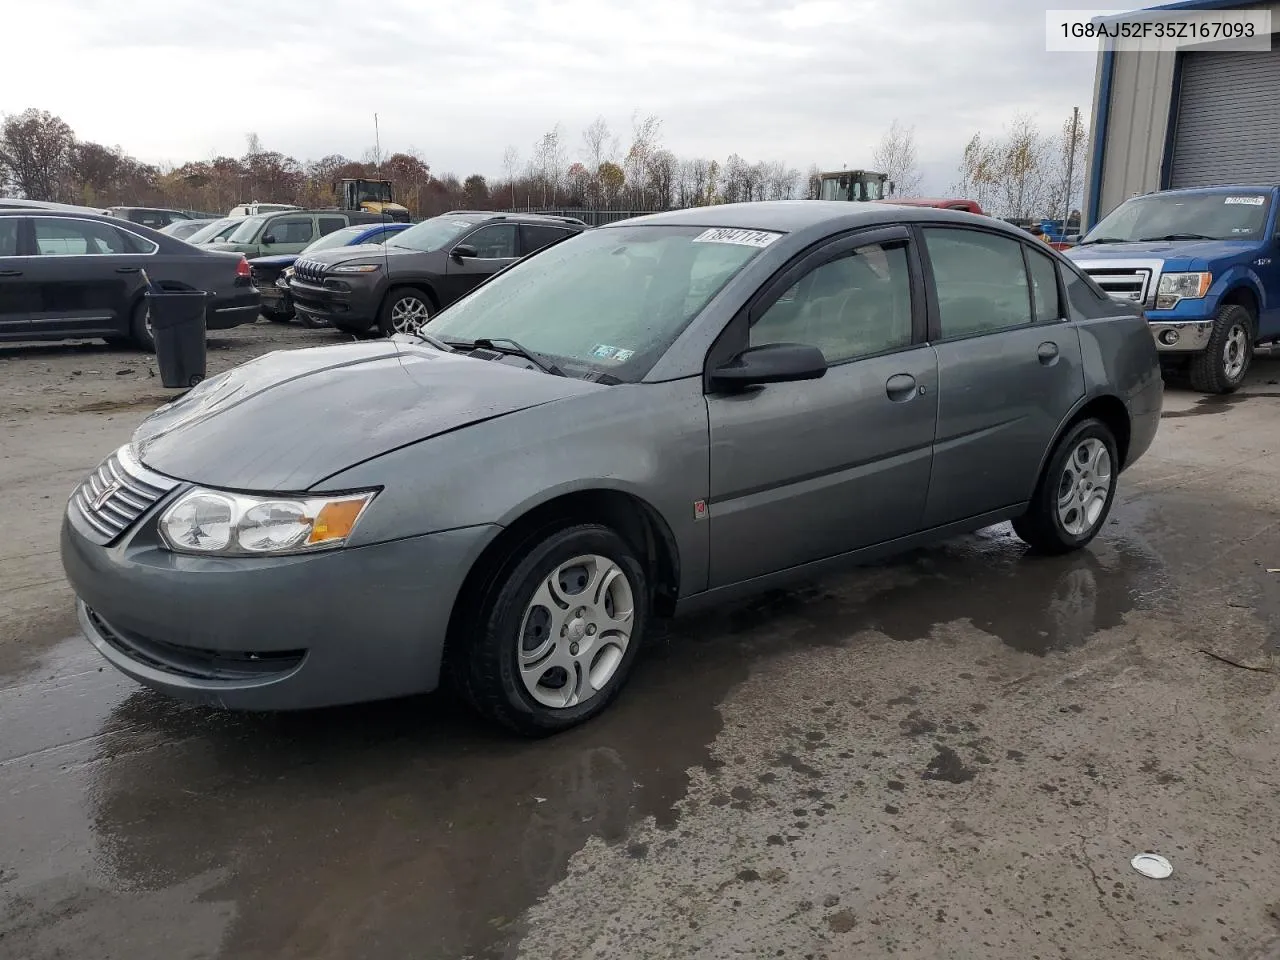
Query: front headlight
x=233, y=524
x=355, y=268
x=1181, y=286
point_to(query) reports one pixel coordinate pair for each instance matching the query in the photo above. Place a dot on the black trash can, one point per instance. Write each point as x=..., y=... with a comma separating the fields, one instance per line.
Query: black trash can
x=177, y=326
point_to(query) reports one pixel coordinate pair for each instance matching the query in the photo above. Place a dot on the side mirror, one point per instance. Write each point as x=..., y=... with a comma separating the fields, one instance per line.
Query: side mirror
x=464, y=250
x=268, y=238
x=771, y=363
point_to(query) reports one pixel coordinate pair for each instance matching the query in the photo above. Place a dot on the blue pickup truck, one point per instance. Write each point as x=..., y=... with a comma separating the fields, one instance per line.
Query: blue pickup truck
x=1204, y=264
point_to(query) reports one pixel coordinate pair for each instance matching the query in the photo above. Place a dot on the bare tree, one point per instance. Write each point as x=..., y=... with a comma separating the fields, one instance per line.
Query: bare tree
x=549, y=164
x=36, y=149
x=896, y=156
x=511, y=164
x=252, y=144
x=598, y=145
x=813, y=183
x=645, y=138
x=1025, y=184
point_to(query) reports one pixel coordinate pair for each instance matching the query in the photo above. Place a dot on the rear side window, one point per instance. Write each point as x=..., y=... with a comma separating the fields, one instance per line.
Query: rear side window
x=297, y=230
x=9, y=236
x=136, y=244
x=980, y=279
x=1082, y=293
x=329, y=224
x=1044, y=286
x=537, y=236
x=76, y=238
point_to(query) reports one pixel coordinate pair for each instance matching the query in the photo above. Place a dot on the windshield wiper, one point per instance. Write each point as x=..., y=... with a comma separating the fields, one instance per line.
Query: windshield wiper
x=1177, y=236
x=1085, y=243
x=513, y=348
x=433, y=341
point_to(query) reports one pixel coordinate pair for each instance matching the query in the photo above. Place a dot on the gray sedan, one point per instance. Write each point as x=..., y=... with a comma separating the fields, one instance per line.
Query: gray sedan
x=662, y=413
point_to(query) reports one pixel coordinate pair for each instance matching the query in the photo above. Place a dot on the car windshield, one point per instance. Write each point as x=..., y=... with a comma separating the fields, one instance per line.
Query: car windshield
x=247, y=230
x=608, y=301
x=339, y=238
x=1185, y=216
x=211, y=230
x=431, y=235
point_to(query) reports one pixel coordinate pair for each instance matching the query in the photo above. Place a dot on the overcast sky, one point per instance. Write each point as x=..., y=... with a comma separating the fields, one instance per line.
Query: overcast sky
x=801, y=81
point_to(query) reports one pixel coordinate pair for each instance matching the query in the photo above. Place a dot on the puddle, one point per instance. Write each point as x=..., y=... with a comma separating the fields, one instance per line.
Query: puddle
x=1216, y=404
x=361, y=831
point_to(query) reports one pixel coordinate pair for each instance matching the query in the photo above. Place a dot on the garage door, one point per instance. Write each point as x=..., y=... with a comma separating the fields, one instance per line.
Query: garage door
x=1228, y=119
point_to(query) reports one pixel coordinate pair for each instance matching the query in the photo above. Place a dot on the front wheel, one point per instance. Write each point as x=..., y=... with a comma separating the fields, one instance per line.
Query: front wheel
x=555, y=634
x=405, y=311
x=275, y=316
x=1074, y=495
x=1221, y=367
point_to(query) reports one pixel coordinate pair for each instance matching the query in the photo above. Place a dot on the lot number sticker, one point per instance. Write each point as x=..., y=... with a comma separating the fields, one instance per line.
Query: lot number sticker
x=1248, y=201
x=744, y=238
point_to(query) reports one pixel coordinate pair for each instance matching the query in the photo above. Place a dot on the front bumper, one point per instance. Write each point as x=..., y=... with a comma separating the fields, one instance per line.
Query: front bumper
x=275, y=298
x=1181, y=336
x=280, y=633
x=355, y=308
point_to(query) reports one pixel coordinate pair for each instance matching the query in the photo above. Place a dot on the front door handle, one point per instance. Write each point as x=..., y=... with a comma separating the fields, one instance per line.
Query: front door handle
x=901, y=387
x=127, y=269
x=10, y=273
x=1047, y=353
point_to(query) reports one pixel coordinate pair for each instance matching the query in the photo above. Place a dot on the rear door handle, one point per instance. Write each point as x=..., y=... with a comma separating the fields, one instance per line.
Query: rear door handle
x=901, y=387
x=10, y=273
x=1047, y=353
x=127, y=269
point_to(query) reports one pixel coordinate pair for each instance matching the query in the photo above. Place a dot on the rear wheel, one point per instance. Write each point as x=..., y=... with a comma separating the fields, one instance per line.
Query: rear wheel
x=1225, y=361
x=140, y=327
x=1073, y=498
x=550, y=640
x=405, y=311
x=276, y=316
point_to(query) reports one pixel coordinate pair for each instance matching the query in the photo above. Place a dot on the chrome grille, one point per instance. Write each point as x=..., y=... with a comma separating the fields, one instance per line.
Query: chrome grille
x=311, y=271
x=114, y=496
x=1131, y=284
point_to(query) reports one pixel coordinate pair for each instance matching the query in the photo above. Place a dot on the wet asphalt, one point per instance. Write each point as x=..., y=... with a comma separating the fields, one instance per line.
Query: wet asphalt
x=953, y=754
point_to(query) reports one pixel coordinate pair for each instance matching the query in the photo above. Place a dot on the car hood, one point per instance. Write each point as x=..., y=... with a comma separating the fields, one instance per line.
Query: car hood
x=290, y=419
x=277, y=260
x=364, y=251
x=1163, y=250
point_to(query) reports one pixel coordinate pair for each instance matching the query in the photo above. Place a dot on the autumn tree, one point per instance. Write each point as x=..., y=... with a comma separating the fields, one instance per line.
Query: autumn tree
x=36, y=150
x=475, y=191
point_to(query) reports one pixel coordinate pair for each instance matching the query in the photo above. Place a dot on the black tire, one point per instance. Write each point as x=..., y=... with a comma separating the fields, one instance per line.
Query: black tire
x=276, y=317
x=139, y=327
x=485, y=657
x=1042, y=527
x=1210, y=370
x=398, y=297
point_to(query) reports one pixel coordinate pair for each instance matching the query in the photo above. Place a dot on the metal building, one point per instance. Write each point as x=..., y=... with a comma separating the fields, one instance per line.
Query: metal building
x=1184, y=118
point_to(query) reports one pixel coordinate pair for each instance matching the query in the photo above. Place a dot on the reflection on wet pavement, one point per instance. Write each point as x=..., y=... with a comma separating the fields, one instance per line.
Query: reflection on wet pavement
x=355, y=832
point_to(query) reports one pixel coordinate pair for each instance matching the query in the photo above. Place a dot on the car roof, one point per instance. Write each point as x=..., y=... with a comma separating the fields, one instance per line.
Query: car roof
x=793, y=216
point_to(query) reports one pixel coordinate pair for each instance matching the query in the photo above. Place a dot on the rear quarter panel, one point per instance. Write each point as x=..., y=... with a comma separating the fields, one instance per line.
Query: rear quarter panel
x=1120, y=359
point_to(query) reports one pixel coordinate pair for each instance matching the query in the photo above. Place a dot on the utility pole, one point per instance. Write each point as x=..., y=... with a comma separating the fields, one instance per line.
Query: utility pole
x=1071, y=161
x=377, y=143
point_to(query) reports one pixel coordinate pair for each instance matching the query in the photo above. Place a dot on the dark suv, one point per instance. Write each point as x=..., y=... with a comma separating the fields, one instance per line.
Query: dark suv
x=395, y=287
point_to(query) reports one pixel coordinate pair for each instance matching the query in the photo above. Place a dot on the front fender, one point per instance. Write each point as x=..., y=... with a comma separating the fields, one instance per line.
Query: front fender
x=646, y=440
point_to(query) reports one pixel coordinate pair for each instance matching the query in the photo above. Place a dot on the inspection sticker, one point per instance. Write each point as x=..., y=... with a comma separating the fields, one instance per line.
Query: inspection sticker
x=1248, y=201
x=745, y=238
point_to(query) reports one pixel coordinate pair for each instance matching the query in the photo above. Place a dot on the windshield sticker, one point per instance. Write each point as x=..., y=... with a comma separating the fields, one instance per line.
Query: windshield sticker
x=622, y=356
x=1248, y=201
x=602, y=351
x=744, y=238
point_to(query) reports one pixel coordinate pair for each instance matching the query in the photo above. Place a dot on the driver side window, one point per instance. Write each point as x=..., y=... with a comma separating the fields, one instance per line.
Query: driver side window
x=856, y=305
